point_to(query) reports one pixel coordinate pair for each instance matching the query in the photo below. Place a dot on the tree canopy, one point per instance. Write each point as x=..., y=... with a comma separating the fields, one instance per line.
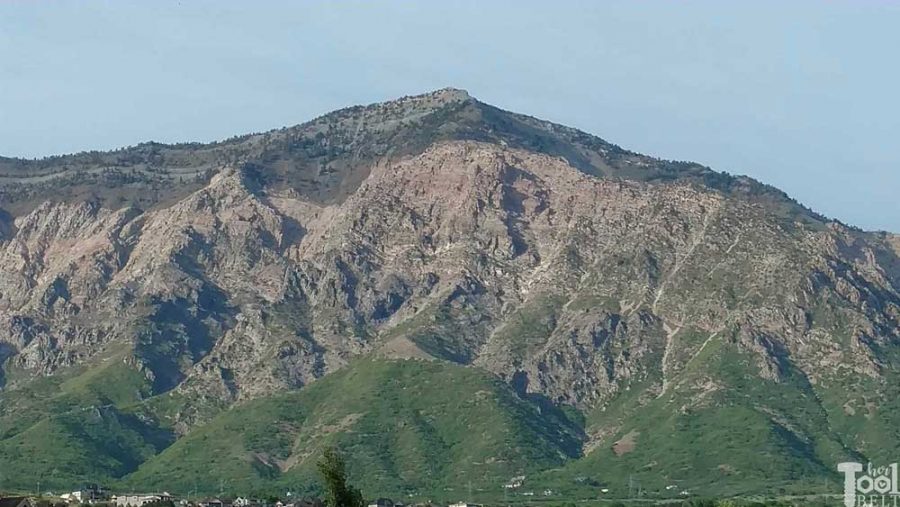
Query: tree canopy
x=338, y=493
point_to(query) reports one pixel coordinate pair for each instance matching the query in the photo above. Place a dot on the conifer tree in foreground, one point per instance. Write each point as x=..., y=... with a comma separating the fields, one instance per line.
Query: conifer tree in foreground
x=333, y=471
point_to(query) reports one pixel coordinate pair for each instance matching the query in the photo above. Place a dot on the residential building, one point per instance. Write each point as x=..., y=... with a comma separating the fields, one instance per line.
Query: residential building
x=138, y=500
x=89, y=493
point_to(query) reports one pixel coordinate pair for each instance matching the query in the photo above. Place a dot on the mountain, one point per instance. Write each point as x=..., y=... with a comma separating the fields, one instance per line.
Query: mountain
x=455, y=293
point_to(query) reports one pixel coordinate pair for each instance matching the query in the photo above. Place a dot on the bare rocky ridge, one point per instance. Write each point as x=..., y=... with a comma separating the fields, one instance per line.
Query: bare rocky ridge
x=431, y=227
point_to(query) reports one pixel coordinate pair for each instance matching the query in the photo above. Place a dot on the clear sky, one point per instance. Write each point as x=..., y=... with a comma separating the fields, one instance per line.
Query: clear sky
x=799, y=94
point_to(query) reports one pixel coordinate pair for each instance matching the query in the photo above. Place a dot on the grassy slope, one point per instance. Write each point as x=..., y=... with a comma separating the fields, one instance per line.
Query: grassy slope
x=408, y=425
x=435, y=428
x=71, y=427
x=755, y=435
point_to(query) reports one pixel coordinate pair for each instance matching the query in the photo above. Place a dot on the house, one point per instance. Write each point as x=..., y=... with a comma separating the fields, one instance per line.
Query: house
x=89, y=493
x=466, y=504
x=382, y=502
x=95, y=492
x=16, y=501
x=73, y=497
x=137, y=500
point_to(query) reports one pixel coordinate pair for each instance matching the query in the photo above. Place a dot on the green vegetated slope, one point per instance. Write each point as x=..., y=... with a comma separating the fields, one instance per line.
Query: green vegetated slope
x=438, y=430
x=73, y=426
x=406, y=426
x=720, y=430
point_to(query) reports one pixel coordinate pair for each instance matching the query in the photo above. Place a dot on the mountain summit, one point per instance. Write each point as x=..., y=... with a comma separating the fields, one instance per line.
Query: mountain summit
x=180, y=315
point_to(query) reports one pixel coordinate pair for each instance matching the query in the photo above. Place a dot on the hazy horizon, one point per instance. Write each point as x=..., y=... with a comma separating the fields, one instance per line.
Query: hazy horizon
x=800, y=96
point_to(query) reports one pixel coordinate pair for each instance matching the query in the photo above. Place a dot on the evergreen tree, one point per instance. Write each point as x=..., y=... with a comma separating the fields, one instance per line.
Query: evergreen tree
x=333, y=471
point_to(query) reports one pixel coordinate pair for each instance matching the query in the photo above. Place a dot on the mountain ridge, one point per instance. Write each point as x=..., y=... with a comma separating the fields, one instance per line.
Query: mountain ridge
x=141, y=158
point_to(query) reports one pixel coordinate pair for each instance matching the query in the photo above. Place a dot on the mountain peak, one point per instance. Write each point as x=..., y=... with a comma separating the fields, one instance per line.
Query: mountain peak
x=441, y=96
x=450, y=94
x=326, y=158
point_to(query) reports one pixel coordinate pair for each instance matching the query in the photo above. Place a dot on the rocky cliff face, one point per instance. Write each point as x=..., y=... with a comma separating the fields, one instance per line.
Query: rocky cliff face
x=433, y=227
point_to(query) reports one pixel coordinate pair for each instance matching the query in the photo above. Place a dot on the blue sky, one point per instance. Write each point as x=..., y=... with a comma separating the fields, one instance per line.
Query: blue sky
x=802, y=95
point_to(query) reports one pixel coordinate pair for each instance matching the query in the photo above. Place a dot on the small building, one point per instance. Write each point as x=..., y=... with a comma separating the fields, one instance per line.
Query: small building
x=73, y=497
x=382, y=502
x=466, y=504
x=88, y=493
x=139, y=500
